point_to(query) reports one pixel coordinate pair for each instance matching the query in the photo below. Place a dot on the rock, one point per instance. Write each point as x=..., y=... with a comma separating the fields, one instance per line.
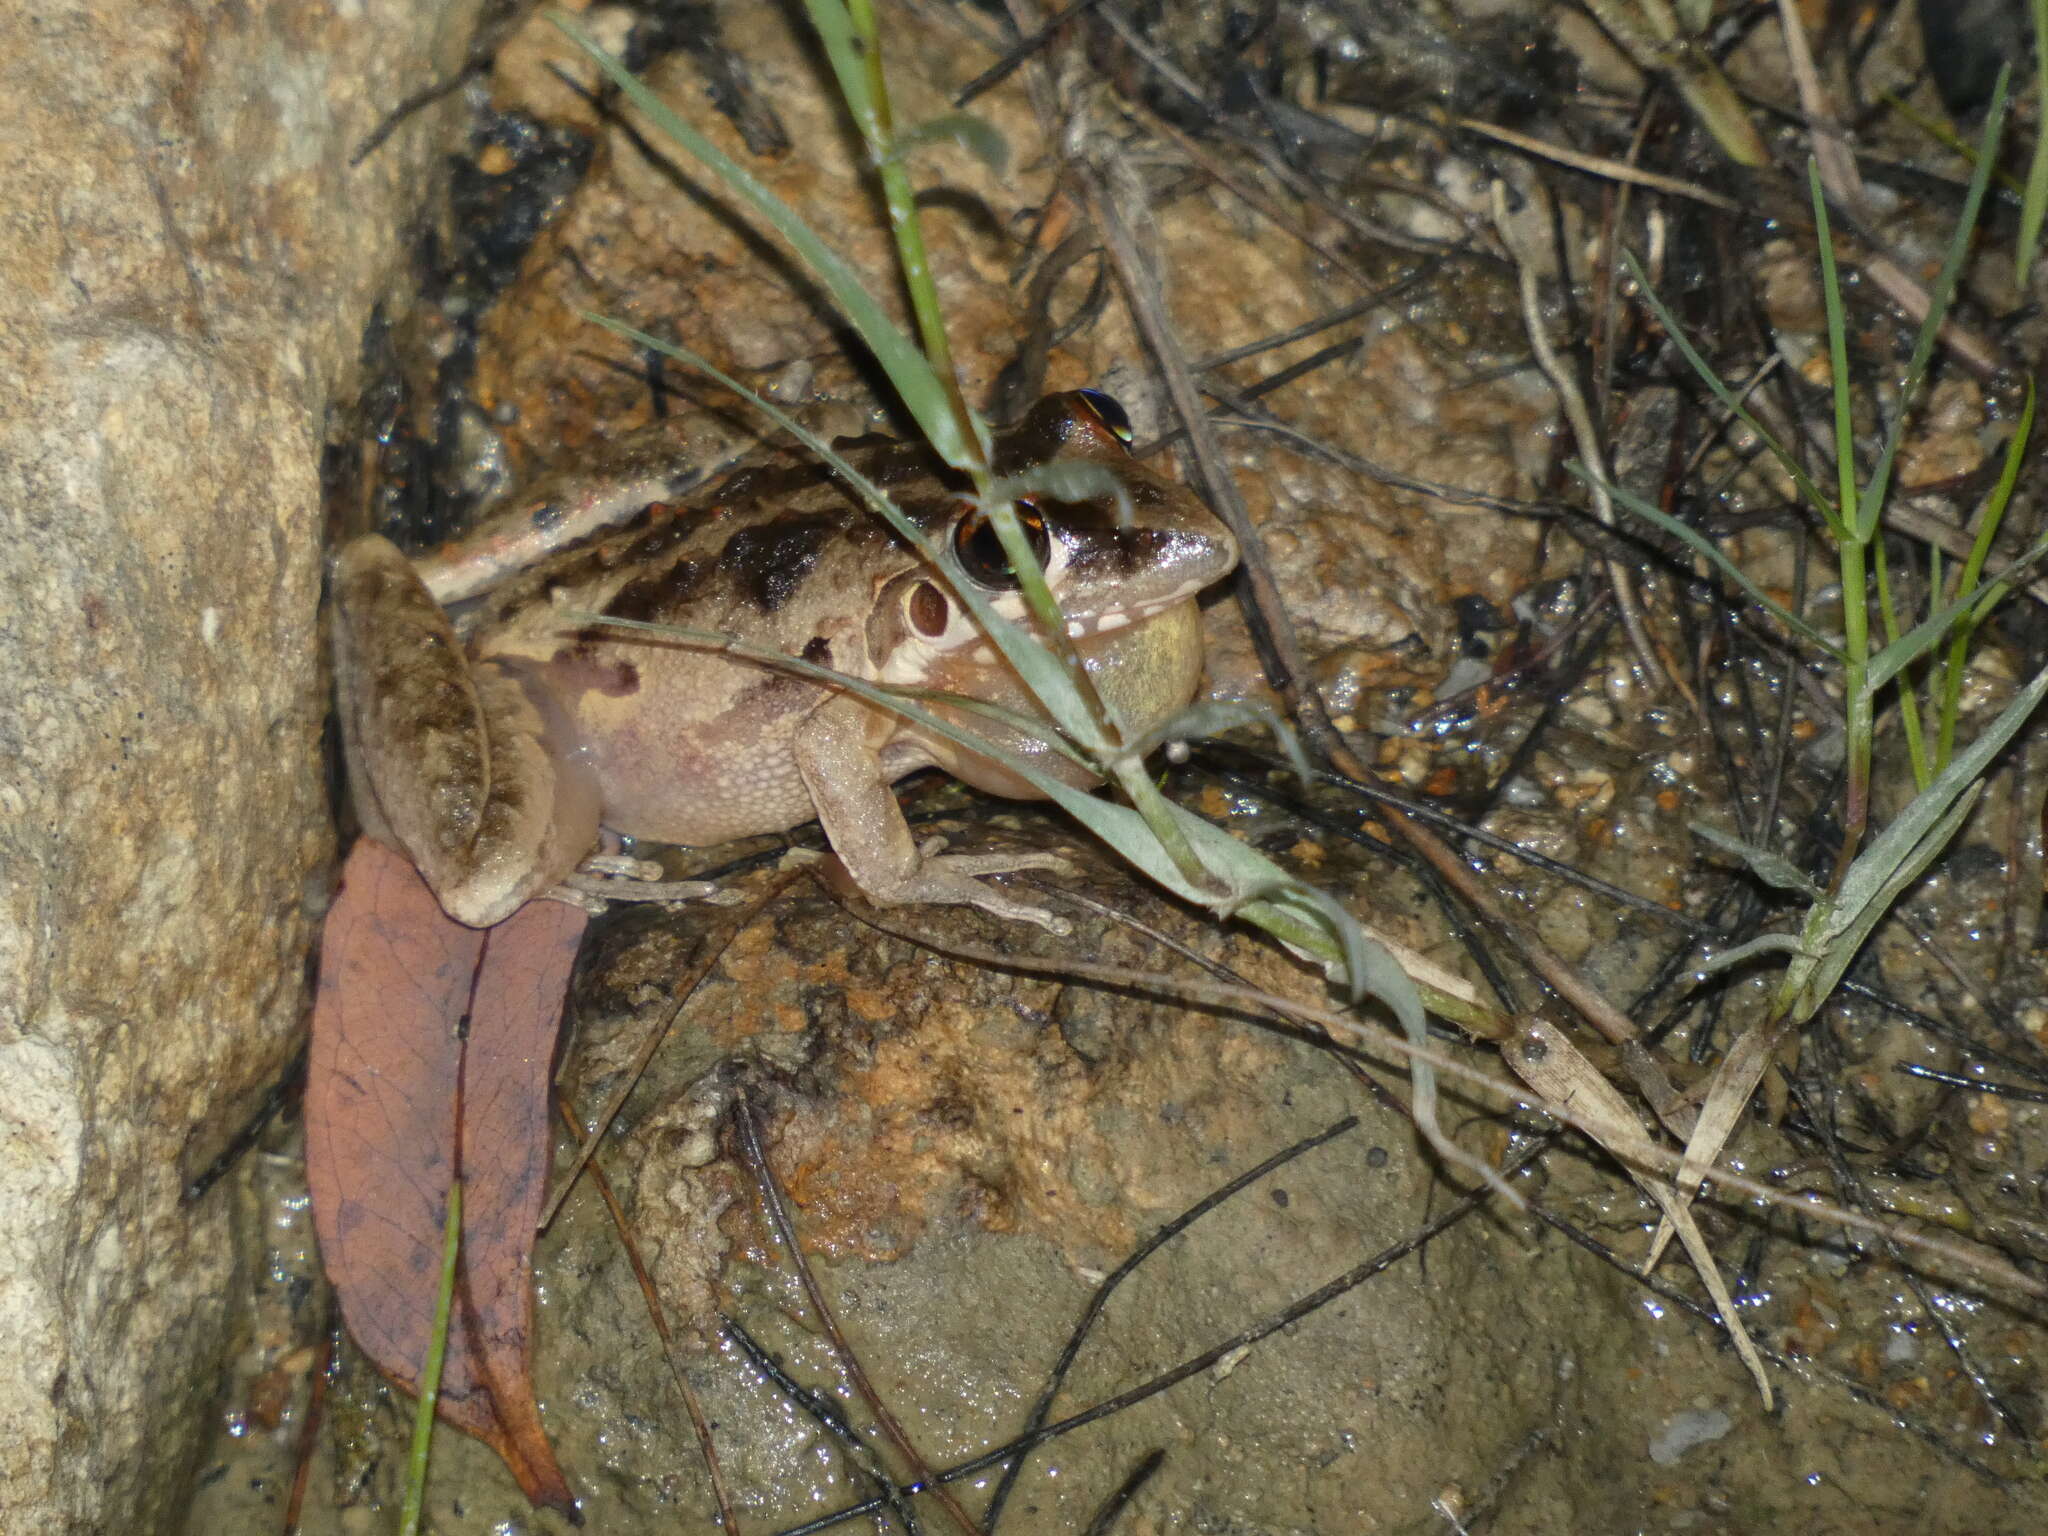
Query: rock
x=185, y=274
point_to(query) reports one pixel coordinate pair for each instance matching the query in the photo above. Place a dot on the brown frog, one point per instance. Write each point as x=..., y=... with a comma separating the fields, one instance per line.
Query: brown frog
x=492, y=747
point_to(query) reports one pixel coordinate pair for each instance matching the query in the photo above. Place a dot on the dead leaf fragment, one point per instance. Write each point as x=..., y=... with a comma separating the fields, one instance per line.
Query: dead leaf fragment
x=385, y=1083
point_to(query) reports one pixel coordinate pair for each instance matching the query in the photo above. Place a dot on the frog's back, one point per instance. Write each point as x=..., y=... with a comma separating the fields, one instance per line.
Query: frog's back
x=689, y=743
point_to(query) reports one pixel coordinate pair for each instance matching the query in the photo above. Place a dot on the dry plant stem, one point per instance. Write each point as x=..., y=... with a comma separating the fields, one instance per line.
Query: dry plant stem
x=1598, y=165
x=1966, y=1258
x=1838, y=172
x=749, y=1129
x=1300, y=185
x=1952, y=540
x=1258, y=201
x=2024, y=860
x=684, y=990
x=1626, y=600
x=1029, y=42
x=1642, y=1067
x=1649, y=33
x=728, y=1522
x=1134, y=1482
x=316, y=1415
x=1280, y=654
x=1272, y=631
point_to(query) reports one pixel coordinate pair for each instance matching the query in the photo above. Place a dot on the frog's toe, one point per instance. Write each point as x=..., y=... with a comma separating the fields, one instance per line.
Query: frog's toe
x=991, y=863
x=620, y=866
x=626, y=885
x=955, y=880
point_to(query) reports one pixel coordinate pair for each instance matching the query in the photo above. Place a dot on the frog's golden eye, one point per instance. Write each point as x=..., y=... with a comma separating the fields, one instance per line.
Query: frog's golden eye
x=1112, y=415
x=981, y=553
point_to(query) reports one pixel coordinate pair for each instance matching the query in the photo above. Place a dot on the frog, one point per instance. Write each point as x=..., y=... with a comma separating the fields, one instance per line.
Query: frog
x=496, y=734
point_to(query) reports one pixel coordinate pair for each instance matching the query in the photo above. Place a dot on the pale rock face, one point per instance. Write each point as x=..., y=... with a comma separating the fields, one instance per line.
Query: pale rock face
x=186, y=264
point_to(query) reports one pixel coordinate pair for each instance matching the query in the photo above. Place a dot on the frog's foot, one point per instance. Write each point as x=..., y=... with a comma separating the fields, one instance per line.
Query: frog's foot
x=619, y=877
x=931, y=849
x=469, y=767
x=954, y=879
x=620, y=866
x=870, y=839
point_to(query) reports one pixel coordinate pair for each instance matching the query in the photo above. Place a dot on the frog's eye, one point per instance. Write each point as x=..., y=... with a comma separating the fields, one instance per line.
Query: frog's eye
x=1112, y=415
x=981, y=553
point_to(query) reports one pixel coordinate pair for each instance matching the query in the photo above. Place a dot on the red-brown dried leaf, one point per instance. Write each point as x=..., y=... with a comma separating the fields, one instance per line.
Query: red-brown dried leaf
x=507, y=1137
x=397, y=977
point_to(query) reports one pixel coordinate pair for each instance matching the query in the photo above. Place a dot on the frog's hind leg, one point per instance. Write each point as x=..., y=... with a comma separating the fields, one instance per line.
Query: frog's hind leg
x=836, y=754
x=465, y=766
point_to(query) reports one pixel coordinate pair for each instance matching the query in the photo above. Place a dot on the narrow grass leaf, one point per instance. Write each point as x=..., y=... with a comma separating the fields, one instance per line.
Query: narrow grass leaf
x=1849, y=925
x=977, y=135
x=1742, y=954
x=1693, y=539
x=2034, y=201
x=1871, y=502
x=415, y=1502
x=1838, y=361
x=920, y=388
x=1927, y=634
x=1067, y=480
x=1899, y=854
x=1723, y=393
x=1770, y=867
x=1986, y=600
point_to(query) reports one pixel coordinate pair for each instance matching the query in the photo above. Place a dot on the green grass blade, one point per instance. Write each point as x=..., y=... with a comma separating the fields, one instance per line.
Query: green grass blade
x=1926, y=635
x=415, y=1503
x=1848, y=937
x=1871, y=503
x=977, y=135
x=853, y=46
x=1701, y=544
x=1771, y=867
x=1838, y=357
x=1982, y=603
x=1909, y=695
x=1725, y=395
x=1876, y=869
x=2034, y=201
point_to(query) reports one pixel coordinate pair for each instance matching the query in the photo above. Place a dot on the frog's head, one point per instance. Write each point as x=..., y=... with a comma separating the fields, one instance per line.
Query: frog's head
x=1125, y=551
x=1119, y=542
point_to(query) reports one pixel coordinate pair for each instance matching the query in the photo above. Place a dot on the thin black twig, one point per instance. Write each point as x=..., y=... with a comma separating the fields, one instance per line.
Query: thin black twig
x=1090, y=1314
x=747, y=1125
x=1194, y=1365
x=1114, y=1506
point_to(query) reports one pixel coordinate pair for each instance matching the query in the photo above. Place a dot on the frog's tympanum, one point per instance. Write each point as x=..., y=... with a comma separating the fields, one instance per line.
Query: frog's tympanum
x=491, y=748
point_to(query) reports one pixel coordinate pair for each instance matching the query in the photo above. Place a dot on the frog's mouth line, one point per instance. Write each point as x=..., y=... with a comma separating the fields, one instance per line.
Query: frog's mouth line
x=1122, y=618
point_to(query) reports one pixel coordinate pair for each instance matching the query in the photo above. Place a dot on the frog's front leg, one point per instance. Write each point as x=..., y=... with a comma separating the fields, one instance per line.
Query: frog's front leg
x=842, y=770
x=465, y=766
